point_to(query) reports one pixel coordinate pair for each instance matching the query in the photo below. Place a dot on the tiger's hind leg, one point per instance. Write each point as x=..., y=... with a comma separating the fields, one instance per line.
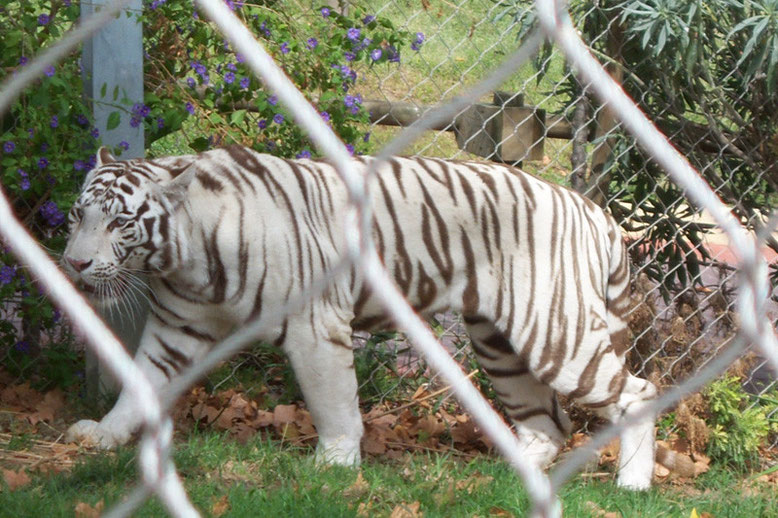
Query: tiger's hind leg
x=541, y=423
x=604, y=386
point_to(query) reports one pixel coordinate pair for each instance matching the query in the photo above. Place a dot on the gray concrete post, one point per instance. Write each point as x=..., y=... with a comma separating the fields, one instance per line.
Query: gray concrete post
x=112, y=62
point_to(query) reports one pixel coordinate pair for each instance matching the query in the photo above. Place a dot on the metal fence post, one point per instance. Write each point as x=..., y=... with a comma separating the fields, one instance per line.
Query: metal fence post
x=113, y=81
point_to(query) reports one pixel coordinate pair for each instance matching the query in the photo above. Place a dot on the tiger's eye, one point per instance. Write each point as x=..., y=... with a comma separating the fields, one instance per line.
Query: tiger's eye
x=118, y=221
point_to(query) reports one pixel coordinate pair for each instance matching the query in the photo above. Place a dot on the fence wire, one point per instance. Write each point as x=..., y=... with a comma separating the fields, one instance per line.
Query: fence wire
x=683, y=338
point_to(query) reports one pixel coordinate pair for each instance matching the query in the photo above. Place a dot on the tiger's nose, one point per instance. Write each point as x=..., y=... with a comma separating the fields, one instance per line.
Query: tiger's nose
x=77, y=264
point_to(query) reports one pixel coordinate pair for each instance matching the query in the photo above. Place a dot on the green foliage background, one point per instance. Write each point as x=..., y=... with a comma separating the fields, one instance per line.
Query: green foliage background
x=199, y=94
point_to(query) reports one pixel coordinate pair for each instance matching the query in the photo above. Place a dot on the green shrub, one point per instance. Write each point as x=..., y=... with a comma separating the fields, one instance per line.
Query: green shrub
x=739, y=425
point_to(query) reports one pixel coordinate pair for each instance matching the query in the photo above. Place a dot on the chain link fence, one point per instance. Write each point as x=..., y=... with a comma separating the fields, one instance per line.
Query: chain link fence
x=700, y=297
x=546, y=121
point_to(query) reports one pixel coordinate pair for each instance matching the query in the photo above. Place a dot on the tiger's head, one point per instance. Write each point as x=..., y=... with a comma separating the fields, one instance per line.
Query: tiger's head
x=120, y=226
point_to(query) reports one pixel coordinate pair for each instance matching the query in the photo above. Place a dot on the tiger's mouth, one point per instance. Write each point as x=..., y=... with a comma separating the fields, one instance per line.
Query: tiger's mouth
x=87, y=288
x=100, y=294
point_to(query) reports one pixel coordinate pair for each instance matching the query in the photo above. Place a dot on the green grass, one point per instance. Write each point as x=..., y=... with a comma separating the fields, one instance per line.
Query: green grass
x=264, y=479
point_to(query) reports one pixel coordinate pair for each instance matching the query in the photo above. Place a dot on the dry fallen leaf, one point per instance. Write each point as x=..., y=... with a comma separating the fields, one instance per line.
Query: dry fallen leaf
x=660, y=472
x=15, y=479
x=404, y=510
x=284, y=414
x=599, y=512
x=610, y=452
x=474, y=483
x=465, y=432
x=220, y=506
x=364, y=510
x=84, y=510
x=358, y=489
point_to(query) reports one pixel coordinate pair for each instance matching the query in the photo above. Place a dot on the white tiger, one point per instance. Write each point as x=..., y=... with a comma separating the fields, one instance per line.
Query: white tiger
x=538, y=272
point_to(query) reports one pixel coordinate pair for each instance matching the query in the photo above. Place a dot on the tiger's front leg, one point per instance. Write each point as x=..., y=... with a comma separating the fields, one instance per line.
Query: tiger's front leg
x=164, y=352
x=320, y=351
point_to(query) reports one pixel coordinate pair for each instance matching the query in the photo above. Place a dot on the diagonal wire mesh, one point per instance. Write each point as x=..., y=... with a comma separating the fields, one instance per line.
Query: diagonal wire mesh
x=158, y=475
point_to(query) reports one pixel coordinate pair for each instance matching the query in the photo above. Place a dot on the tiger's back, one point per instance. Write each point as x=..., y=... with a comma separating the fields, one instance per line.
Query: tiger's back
x=538, y=272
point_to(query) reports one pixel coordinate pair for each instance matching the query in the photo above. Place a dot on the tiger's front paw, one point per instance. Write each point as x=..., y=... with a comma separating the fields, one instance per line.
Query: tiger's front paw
x=342, y=451
x=93, y=434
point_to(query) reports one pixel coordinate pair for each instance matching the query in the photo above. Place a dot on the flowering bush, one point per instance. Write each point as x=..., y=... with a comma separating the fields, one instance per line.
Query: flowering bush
x=195, y=85
x=321, y=50
x=47, y=142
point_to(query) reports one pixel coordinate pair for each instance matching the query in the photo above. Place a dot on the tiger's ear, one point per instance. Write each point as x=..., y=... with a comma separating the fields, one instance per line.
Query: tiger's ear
x=104, y=156
x=176, y=190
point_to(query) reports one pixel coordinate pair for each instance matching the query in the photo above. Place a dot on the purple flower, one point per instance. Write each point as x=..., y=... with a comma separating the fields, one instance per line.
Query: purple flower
x=80, y=165
x=141, y=110
x=9, y=146
x=7, y=274
x=22, y=346
x=349, y=101
x=368, y=19
x=54, y=121
x=135, y=121
x=200, y=70
x=43, y=163
x=123, y=144
x=50, y=71
x=278, y=118
x=191, y=82
x=353, y=34
x=366, y=138
x=285, y=48
x=95, y=133
x=239, y=57
x=312, y=43
x=244, y=82
x=24, y=183
x=393, y=55
x=232, y=67
x=325, y=116
x=376, y=54
x=350, y=56
x=160, y=123
x=229, y=78
x=91, y=162
x=303, y=154
x=350, y=149
x=325, y=11
x=156, y=3
x=346, y=72
x=23, y=60
x=416, y=45
x=262, y=124
x=353, y=102
x=43, y=19
x=67, y=4
x=30, y=133
x=81, y=120
x=190, y=108
x=272, y=100
x=52, y=214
